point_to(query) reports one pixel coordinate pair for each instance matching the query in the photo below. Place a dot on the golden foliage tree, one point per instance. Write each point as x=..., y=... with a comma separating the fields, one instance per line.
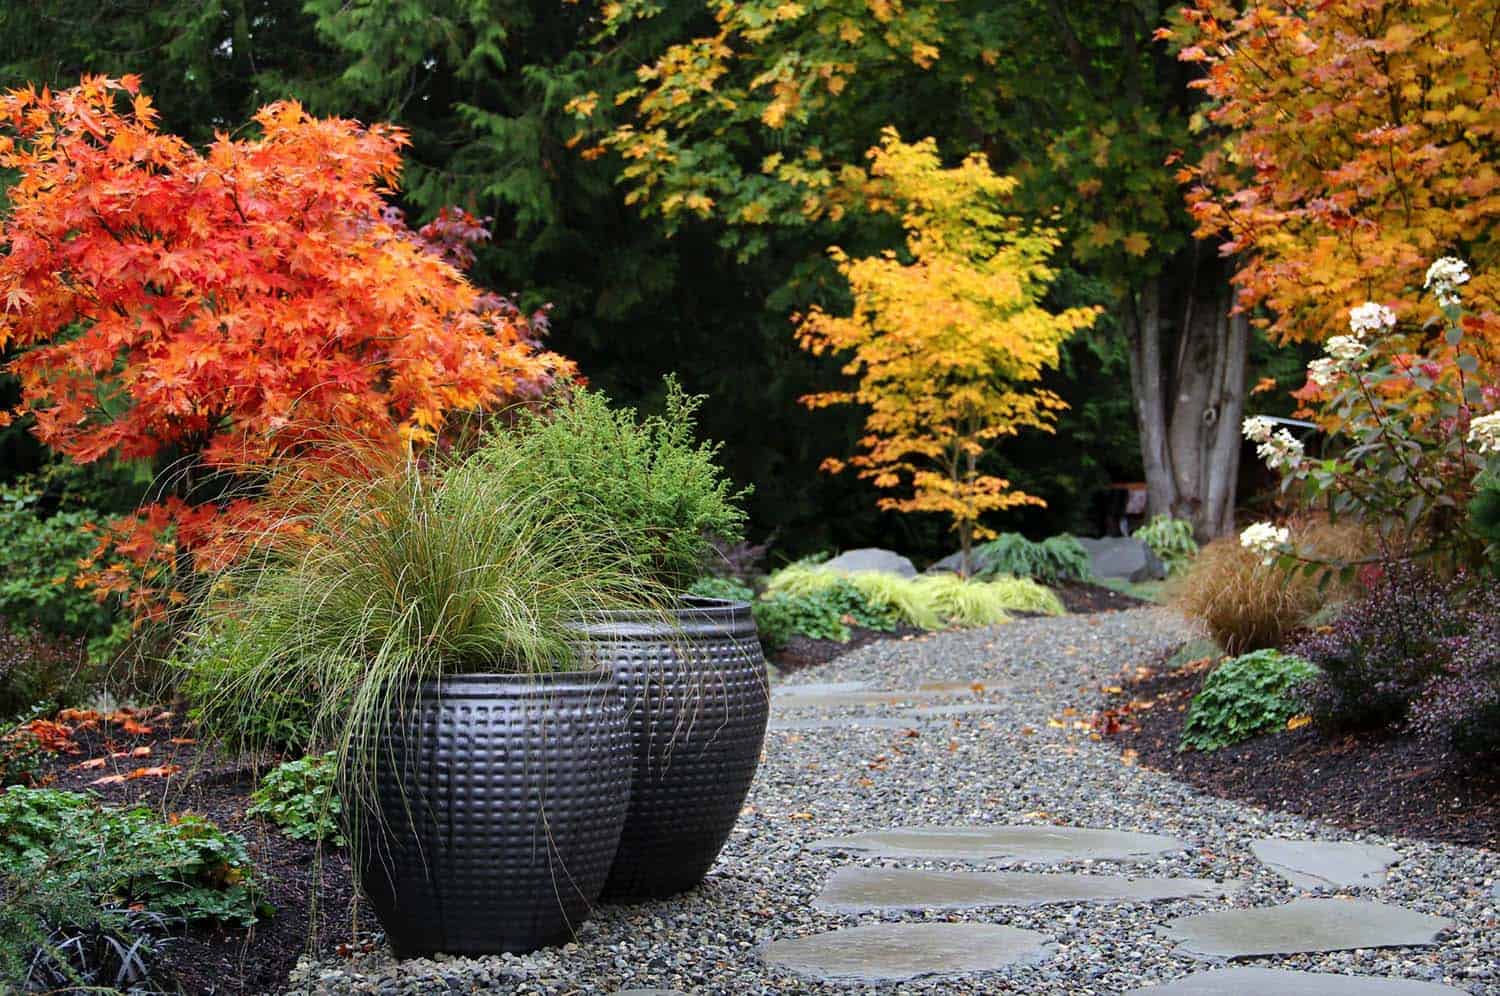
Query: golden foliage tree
x=948, y=341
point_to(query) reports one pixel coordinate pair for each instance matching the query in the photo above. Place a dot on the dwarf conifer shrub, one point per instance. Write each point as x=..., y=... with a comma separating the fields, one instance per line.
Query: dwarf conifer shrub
x=1243, y=697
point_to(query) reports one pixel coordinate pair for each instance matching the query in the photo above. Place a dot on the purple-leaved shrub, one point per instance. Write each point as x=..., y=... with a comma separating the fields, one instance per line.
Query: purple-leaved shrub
x=1462, y=701
x=1382, y=650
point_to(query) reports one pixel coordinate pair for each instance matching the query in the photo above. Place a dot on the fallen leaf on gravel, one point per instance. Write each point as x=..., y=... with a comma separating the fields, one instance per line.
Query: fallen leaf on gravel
x=1028, y=731
x=909, y=734
x=89, y=765
x=1129, y=758
x=133, y=728
x=1056, y=724
x=1114, y=690
x=52, y=737
x=108, y=780
x=799, y=816
x=1298, y=722
x=78, y=716
x=953, y=746
x=181, y=741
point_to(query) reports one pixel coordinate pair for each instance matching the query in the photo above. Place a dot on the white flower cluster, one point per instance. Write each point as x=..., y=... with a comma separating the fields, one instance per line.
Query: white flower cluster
x=1266, y=540
x=1280, y=451
x=1257, y=428
x=1323, y=371
x=1484, y=433
x=1370, y=317
x=1444, y=278
x=1344, y=349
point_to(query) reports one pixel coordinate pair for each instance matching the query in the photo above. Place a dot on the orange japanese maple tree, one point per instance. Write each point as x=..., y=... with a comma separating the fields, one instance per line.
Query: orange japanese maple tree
x=1358, y=147
x=229, y=307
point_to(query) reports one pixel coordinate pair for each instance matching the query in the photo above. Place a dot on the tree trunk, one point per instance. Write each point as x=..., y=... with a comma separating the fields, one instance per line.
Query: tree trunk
x=1189, y=401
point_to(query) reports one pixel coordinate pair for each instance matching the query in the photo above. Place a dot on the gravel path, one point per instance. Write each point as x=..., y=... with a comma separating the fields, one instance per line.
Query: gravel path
x=1030, y=761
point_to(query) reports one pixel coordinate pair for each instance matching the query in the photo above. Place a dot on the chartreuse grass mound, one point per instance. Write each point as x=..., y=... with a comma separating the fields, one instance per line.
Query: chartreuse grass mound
x=927, y=602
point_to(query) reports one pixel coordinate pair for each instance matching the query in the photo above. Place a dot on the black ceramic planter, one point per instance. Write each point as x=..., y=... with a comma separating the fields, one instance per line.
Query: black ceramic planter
x=696, y=693
x=500, y=802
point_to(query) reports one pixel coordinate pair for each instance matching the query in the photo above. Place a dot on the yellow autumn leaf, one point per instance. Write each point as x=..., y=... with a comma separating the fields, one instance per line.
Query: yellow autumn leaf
x=1136, y=244
x=1298, y=722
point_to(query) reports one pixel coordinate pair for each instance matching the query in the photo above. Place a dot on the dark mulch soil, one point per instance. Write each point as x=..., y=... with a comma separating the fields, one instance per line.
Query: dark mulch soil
x=1393, y=783
x=205, y=960
x=1085, y=599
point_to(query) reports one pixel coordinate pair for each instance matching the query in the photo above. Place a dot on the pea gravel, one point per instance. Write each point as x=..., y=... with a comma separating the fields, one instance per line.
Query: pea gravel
x=1028, y=760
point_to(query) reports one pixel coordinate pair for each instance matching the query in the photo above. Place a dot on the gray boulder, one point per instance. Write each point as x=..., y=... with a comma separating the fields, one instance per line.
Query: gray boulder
x=1123, y=557
x=873, y=559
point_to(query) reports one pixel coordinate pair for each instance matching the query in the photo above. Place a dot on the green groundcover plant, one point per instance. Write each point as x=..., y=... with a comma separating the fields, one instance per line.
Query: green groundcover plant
x=85, y=890
x=301, y=798
x=1243, y=697
x=647, y=480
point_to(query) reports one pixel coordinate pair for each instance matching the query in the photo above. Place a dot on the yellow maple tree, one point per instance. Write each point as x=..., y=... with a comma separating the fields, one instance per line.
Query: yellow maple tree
x=948, y=340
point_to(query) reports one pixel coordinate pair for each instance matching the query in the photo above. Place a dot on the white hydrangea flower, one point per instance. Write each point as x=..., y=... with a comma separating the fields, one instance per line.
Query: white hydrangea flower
x=1484, y=433
x=1280, y=451
x=1323, y=371
x=1266, y=540
x=1257, y=428
x=1371, y=317
x=1444, y=278
x=1344, y=349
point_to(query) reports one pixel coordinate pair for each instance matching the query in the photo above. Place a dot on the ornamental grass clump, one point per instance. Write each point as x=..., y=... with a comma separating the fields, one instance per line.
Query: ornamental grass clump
x=371, y=583
x=928, y=602
x=1052, y=561
x=646, y=480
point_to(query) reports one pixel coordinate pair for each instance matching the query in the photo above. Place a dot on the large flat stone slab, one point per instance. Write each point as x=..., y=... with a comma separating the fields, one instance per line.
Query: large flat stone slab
x=1005, y=843
x=838, y=694
x=873, y=559
x=858, y=890
x=1275, y=982
x=1326, y=864
x=957, y=710
x=843, y=723
x=897, y=952
x=1305, y=925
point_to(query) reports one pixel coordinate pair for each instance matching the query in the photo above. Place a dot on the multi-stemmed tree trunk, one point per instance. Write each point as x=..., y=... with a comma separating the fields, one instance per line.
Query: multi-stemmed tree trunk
x=1188, y=359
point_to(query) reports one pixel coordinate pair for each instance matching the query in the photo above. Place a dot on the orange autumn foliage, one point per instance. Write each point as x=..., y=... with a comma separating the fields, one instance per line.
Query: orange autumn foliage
x=232, y=305
x=1358, y=146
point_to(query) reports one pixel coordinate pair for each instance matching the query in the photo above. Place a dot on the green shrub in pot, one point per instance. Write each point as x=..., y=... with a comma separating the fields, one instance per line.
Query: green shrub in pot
x=694, y=685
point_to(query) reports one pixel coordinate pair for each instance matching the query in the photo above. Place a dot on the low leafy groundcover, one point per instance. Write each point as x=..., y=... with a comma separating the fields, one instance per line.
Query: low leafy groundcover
x=1396, y=782
x=106, y=761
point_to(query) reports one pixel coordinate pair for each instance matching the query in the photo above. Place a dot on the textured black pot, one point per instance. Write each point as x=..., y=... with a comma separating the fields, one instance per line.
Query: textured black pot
x=500, y=802
x=696, y=693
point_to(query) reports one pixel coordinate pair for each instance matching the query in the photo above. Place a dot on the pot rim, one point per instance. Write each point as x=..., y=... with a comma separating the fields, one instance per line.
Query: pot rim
x=692, y=616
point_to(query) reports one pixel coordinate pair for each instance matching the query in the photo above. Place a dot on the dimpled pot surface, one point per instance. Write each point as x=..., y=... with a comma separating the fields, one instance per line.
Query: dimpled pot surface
x=501, y=799
x=697, y=696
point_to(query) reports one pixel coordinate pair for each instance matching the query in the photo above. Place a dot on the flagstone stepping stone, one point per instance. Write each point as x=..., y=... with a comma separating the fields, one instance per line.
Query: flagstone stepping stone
x=858, y=890
x=958, y=709
x=1304, y=925
x=1005, y=843
x=828, y=695
x=1276, y=982
x=1326, y=864
x=897, y=952
x=843, y=723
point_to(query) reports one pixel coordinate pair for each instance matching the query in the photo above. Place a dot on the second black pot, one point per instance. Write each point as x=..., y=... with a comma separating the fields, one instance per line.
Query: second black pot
x=696, y=692
x=498, y=802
